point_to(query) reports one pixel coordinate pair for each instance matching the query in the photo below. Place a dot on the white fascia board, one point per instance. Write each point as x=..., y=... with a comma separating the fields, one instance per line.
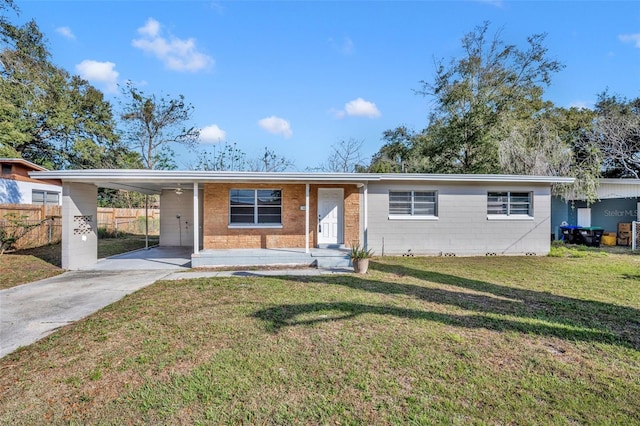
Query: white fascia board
x=620, y=181
x=474, y=178
x=159, y=176
x=181, y=176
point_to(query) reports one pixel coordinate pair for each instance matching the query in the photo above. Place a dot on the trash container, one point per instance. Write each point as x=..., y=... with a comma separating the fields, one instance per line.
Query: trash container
x=589, y=235
x=569, y=234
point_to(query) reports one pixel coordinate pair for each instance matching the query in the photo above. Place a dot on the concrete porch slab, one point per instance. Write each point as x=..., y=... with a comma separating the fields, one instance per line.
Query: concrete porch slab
x=321, y=258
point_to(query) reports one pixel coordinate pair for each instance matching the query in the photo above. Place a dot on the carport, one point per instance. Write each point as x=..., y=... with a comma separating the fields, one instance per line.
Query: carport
x=181, y=210
x=182, y=196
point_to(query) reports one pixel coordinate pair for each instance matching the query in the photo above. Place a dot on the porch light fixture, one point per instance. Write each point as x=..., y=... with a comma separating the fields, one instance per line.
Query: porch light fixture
x=178, y=190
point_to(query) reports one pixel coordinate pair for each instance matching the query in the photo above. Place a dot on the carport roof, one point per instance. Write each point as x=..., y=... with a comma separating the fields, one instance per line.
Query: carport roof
x=154, y=181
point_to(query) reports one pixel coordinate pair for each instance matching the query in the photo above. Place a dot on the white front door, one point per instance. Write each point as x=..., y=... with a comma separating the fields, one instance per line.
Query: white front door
x=584, y=217
x=330, y=216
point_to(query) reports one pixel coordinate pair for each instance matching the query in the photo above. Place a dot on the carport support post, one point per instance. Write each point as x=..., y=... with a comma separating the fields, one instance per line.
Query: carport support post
x=196, y=220
x=306, y=218
x=79, y=225
x=146, y=221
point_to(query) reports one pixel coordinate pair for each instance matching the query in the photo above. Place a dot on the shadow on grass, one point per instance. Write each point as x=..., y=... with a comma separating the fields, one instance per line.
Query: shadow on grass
x=541, y=313
x=51, y=253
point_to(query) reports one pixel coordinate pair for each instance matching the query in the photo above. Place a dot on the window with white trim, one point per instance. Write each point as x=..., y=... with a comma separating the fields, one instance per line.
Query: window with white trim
x=45, y=197
x=413, y=203
x=255, y=207
x=509, y=204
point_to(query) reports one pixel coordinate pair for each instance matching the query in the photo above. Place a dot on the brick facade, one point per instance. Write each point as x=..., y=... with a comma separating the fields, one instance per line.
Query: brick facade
x=218, y=235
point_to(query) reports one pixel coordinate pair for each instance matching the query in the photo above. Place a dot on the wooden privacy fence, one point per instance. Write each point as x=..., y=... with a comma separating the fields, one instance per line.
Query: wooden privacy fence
x=48, y=217
x=131, y=221
x=50, y=230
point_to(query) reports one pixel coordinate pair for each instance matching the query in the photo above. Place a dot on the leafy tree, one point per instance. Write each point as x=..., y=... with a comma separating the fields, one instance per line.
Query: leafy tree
x=124, y=199
x=472, y=96
x=46, y=115
x=154, y=124
x=396, y=154
x=550, y=145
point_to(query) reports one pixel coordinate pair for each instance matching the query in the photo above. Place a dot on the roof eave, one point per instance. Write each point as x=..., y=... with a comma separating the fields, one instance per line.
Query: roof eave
x=104, y=175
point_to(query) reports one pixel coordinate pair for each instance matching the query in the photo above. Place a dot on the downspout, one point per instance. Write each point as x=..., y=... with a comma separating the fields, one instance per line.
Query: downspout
x=366, y=216
x=196, y=220
x=146, y=222
x=306, y=219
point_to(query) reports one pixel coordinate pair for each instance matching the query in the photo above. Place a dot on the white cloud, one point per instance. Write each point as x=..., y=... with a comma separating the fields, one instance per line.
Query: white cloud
x=212, y=134
x=99, y=72
x=630, y=38
x=345, y=47
x=276, y=125
x=176, y=54
x=150, y=29
x=358, y=108
x=66, y=32
x=580, y=104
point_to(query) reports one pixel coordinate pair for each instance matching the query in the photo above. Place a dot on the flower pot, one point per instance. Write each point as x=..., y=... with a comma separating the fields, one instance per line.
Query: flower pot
x=360, y=266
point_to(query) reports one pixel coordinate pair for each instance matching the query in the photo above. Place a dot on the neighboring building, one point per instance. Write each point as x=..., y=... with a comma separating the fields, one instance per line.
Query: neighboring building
x=392, y=214
x=618, y=202
x=16, y=187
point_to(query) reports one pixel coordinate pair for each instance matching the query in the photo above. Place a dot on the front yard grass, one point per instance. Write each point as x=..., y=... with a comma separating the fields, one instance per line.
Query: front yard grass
x=498, y=340
x=34, y=264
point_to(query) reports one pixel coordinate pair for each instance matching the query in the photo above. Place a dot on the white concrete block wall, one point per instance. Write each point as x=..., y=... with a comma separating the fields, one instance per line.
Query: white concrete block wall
x=173, y=231
x=462, y=226
x=79, y=225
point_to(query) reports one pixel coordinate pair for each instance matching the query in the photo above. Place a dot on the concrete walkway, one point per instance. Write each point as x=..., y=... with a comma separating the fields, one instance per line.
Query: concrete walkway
x=32, y=311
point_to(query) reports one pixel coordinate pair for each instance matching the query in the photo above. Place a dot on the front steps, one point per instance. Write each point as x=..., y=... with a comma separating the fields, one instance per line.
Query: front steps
x=325, y=258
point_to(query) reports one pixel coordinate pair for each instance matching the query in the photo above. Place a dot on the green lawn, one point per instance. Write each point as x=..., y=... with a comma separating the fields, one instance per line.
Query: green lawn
x=497, y=340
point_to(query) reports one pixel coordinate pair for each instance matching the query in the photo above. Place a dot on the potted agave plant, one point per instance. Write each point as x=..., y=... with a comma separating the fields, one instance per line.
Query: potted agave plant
x=360, y=258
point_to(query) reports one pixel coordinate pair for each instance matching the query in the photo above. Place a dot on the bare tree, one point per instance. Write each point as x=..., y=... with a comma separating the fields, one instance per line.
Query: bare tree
x=227, y=157
x=269, y=161
x=345, y=157
x=617, y=135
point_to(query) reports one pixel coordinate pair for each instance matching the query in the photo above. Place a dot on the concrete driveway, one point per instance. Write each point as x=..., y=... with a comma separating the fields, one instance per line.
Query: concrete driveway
x=32, y=311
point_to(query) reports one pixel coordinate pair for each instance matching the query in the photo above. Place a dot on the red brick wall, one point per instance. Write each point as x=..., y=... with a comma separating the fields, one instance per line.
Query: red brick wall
x=218, y=235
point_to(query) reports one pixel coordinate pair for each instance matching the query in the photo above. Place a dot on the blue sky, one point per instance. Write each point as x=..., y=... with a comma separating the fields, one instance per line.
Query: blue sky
x=300, y=76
